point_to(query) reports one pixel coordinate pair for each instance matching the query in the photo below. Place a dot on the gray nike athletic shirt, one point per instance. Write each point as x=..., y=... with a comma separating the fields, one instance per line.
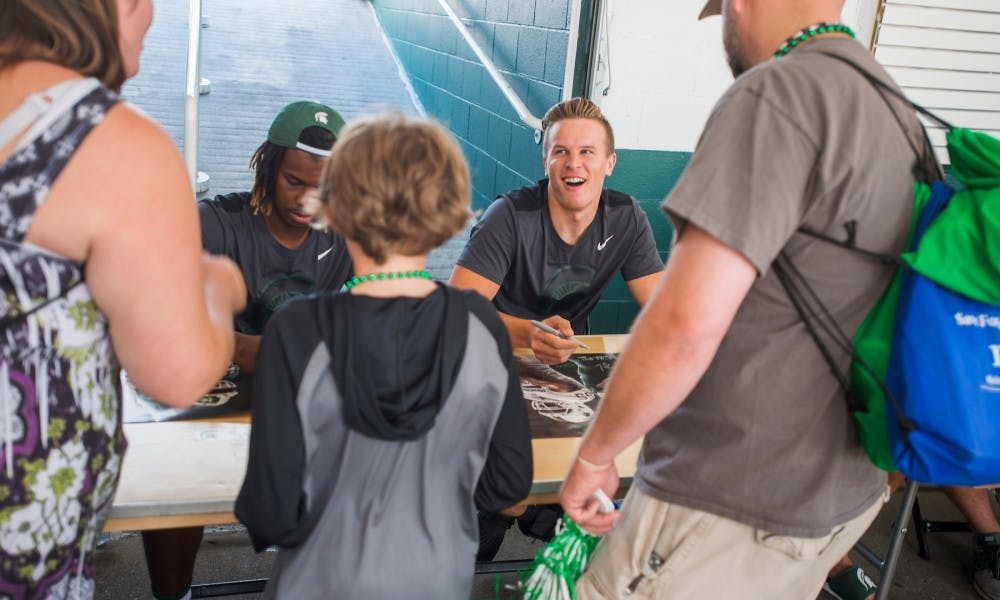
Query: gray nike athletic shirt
x=273, y=274
x=515, y=246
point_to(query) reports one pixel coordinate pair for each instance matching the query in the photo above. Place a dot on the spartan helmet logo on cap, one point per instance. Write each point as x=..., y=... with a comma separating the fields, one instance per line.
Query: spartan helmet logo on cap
x=321, y=118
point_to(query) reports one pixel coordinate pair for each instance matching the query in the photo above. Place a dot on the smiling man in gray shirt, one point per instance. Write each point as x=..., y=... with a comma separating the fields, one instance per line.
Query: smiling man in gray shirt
x=548, y=252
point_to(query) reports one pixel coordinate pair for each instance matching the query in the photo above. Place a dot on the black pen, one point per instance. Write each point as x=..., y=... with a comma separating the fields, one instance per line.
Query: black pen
x=557, y=333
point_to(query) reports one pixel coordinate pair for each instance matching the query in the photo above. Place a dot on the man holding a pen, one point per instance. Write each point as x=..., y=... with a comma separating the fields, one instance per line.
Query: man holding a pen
x=547, y=252
x=544, y=255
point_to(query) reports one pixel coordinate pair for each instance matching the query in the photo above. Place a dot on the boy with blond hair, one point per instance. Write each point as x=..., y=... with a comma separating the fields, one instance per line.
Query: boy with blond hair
x=386, y=414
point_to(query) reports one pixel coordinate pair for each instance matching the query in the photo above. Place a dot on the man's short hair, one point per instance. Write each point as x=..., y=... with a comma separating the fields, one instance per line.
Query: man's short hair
x=396, y=185
x=577, y=108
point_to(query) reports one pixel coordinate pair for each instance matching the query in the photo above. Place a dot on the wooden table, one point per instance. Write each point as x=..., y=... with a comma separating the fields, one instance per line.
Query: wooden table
x=188, y=473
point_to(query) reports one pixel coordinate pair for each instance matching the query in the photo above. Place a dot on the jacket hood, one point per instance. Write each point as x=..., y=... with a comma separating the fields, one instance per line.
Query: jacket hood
x=395, y=360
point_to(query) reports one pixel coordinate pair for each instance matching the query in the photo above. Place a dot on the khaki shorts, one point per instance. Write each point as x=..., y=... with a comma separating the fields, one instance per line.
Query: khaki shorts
x=663, y=550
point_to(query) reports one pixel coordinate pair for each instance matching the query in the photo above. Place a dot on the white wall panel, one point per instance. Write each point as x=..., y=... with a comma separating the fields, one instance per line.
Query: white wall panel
x=943, y=18
x=919, y=77
x=966, y=5
x=942, y=39
x=667, y=69
x=948, y=99
x=976, y=62
x=945, y=54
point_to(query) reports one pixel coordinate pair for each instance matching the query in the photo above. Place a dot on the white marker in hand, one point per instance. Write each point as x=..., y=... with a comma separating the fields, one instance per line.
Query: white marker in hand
x=606, y=504
x=557, y=333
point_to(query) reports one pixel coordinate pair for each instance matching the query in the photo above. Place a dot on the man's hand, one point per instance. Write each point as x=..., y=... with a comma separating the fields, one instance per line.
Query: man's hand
x=223, y=283
x=577, y=495
x=245, y=355
x=552, y=349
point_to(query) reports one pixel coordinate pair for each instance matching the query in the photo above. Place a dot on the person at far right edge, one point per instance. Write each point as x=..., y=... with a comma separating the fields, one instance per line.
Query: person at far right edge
x=752, y=482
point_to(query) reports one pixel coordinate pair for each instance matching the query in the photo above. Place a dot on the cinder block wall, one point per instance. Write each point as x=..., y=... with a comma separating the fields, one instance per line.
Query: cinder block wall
x=648, y=175
x=527, y=40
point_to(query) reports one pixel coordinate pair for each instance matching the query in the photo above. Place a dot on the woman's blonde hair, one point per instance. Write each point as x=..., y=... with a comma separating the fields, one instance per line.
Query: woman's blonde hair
x=79, y=35
x=396, y=185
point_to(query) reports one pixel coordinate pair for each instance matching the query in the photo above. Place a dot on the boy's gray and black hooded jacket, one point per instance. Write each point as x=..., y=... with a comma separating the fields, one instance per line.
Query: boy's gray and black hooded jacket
x=380, y=425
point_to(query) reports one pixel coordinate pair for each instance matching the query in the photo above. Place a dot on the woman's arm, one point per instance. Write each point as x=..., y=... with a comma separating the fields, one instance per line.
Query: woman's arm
x=125, y=207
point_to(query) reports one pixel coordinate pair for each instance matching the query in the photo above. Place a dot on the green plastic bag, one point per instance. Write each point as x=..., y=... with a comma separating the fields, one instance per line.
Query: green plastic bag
x=961, y=248
x=560, y=563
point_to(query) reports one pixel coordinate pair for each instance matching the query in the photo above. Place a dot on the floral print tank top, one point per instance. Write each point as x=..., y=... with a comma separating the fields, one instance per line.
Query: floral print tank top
x=60, y=390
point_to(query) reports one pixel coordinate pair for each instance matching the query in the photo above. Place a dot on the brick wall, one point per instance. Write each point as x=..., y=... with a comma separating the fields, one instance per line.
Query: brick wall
x=648, y=176
x=526, y=39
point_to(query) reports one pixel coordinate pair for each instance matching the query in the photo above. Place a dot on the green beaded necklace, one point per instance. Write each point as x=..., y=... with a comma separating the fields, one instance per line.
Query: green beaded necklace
x=359, y=279
x=809, y=33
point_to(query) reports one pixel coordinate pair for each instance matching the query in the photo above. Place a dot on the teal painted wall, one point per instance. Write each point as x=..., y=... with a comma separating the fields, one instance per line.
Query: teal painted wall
x=648, y=176
x=527, y=40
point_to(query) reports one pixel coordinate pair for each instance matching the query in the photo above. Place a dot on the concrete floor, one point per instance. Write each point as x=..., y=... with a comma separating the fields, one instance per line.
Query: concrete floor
x=226, y=555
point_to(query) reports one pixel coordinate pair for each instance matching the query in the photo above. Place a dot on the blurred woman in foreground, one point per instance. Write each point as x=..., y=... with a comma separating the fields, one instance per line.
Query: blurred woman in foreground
x=100, y=269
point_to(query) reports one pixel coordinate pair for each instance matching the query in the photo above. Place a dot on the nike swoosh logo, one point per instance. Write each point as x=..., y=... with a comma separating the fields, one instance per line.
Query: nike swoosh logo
x=601, y=245
x=329, y=250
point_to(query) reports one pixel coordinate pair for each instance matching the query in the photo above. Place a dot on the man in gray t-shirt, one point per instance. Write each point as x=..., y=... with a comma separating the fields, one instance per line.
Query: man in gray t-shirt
x=548, y=252
x=747, y=433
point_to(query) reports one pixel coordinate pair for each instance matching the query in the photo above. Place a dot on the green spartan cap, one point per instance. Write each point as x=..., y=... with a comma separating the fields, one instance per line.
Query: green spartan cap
x=297, y=116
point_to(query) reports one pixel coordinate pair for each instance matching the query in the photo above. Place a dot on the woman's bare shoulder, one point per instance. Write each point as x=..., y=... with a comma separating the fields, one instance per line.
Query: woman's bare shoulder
x=135, y=137
x=130, y=155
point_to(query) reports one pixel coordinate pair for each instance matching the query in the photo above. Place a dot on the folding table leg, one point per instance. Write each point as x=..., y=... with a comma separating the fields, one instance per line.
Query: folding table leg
x=896, y=541
x=920, y=528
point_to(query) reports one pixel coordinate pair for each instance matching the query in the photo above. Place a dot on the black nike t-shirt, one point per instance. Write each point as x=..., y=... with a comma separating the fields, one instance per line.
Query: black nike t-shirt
x=273, y=273
x=515, y=246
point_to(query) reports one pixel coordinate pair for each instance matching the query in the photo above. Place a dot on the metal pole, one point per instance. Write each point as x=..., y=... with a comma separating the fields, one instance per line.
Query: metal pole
x=191, y=92
x=896, y=542
x=522, y=111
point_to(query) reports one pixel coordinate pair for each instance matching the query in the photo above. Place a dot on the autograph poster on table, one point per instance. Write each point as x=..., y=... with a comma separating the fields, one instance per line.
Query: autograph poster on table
x=562, y=398
x=227, y=397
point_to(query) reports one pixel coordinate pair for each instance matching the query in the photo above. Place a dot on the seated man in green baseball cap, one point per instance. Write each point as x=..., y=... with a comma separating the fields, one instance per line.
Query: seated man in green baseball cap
x=267, y=232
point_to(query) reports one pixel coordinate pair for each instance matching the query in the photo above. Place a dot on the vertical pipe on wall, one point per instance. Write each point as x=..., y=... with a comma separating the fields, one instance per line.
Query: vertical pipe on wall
x=191, y=92
x=599, y=79
x=862, y=15
x=571, y=47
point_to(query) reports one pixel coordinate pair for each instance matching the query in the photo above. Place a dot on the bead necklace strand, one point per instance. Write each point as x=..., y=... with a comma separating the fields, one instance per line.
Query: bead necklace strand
x=810, y=32
x=359, y=279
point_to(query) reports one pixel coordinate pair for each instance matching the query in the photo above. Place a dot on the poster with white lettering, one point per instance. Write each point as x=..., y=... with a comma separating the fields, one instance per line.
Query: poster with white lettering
x=562, y=398
x=227, y=397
